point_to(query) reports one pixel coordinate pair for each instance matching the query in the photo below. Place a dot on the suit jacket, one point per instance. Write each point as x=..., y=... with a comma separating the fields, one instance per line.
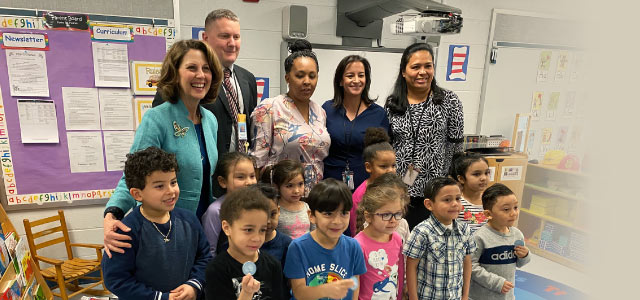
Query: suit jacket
x=220, y=108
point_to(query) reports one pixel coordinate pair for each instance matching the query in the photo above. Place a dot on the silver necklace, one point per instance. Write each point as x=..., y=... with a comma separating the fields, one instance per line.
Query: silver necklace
x=165, y=237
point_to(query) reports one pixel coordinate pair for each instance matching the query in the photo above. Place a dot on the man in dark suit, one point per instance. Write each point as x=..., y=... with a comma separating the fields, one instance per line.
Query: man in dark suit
x=222, y=33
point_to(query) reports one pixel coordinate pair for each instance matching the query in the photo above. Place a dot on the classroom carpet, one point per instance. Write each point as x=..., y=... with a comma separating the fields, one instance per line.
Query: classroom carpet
x=533, y=287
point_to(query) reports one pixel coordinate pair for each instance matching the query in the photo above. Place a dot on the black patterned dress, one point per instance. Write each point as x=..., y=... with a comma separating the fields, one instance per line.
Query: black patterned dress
x=427, y=135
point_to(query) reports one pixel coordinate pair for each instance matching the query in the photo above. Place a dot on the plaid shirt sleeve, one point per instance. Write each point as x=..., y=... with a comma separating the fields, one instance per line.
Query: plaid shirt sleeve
x=469, y=242
x=417, y=244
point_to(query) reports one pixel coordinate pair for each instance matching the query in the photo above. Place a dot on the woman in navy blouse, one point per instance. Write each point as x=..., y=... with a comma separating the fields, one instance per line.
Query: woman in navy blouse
x=349, y=114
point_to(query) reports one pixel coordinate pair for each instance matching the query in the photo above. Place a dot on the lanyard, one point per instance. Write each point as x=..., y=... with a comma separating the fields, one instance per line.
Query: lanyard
x=348, y=140
x=415, y=131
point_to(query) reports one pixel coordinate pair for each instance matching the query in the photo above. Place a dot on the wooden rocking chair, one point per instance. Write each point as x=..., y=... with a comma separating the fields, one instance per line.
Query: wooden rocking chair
x=65, y=272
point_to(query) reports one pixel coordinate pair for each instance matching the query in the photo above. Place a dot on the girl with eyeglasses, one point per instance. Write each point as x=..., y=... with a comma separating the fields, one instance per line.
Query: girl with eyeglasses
x=382, y=208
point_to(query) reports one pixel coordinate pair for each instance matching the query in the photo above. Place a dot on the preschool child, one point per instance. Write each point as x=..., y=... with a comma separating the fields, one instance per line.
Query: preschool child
x=439, y=248
x=379, y=158
x=275, y=242
x=390, y=180
x=471, y=170
x=161, y=235
x=288, y=177
x=500, y=247
x=234, y=170
x=243, y=271
x=382, y=208
x=325, y=263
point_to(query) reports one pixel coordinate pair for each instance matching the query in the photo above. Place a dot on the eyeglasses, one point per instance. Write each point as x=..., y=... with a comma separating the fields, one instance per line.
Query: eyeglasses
x=387, y=216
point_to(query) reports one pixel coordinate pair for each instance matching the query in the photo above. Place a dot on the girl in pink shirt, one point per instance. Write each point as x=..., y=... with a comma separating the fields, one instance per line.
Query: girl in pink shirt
x=379, y=158
x=382, y=208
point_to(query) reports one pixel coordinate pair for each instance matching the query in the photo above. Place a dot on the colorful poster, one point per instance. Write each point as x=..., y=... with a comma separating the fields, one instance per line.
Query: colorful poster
x=536, y=105
x=145, y=76
x=263, y=88
x=111, y=33
x=458, y=61
x=562, y=65
x=561, y=137
x=141, y=105
x=552, y=106
x=531, y=142
x=543, y=66
x=546, y=136
x=196, y=33
x=25, y=41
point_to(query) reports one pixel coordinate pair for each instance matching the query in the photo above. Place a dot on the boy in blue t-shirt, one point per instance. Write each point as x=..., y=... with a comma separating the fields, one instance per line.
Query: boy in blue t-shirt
x=169, y=251
x=322, y=263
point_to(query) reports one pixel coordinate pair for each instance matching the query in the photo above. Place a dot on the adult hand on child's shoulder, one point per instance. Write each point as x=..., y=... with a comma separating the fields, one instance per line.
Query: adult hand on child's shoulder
x=112, y=240
x=506, y=287
x=521, y=251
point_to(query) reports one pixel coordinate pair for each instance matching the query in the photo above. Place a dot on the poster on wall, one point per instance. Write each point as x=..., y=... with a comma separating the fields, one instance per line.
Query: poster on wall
x=552, y=106
x=141, y=105
x=111, y=33
x=196, y=33
x=110, y=64
x=65, y=21
x=536, y=105
x=263, y=88
x=543, y=66
x=562, y=66
x=511, y=173
x=38, y=121
x=458, y=61
x=24, y=41
x=546, y=135
x=27, y=73
x=145, y=76
x=531, y=142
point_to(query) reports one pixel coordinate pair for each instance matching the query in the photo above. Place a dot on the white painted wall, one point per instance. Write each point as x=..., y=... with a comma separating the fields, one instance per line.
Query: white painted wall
x=261, y=25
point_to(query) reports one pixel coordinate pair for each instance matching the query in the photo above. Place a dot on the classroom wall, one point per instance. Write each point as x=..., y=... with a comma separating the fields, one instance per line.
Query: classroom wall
x=261, y=25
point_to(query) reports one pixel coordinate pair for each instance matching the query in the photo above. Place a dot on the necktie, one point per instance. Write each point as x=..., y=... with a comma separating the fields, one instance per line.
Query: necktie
x=232, y=96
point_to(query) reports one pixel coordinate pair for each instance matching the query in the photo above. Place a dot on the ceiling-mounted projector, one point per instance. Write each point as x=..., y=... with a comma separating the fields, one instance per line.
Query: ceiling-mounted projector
x=428, y=23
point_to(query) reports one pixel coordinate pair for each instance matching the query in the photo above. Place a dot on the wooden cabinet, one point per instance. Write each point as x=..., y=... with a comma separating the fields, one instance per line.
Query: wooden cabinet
x=552, y=214
x=509, y=170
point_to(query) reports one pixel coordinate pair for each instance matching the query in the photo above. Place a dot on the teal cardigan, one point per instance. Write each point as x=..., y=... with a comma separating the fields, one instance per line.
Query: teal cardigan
x=157, y=129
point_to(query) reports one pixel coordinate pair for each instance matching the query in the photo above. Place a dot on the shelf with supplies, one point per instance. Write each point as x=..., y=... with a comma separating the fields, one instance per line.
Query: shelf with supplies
x=553, y=214
x=21, y=278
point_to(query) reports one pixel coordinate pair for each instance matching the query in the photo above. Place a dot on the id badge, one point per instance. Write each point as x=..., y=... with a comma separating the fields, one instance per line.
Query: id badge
x=242, y=127
x=411, y=175
x=347, y=177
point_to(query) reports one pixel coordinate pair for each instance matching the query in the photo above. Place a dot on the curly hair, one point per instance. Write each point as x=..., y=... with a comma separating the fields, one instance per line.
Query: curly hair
x=243, y=199
x=169, y=83
x=375, y=139
x=300, y=48
x=142, y=163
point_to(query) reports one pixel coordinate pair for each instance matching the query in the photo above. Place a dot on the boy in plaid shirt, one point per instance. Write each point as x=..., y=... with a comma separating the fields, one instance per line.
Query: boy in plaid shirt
x=439, y=248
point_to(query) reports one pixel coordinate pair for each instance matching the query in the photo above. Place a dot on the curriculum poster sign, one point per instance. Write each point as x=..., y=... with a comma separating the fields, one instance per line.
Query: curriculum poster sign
x=111, y=33
x=64, y=21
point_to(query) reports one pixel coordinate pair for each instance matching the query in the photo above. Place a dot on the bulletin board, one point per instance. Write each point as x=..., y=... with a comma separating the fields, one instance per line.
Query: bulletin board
x=530, y=71
x=40, y=173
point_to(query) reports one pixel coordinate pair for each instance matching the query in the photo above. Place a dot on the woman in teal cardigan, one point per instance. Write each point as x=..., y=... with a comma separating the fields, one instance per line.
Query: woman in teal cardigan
x=191, y=74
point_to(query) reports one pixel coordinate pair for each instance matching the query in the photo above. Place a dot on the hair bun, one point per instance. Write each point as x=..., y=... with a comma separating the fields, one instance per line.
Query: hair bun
x=300, y=45
x=375, y=135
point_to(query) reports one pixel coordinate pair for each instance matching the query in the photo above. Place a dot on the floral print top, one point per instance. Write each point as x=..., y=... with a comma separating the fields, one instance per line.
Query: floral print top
x=280, y=132
x=472, y=214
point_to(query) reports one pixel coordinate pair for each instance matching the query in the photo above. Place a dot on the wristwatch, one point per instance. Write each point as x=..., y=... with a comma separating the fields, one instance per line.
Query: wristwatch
x=115, y=211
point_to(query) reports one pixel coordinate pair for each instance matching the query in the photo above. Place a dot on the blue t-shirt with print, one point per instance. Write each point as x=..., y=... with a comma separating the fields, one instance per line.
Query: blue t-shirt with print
x=318, y=265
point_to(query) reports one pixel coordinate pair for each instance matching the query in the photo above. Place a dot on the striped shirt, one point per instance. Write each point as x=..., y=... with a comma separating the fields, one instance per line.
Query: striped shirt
x=441, y=252
x=472, y=214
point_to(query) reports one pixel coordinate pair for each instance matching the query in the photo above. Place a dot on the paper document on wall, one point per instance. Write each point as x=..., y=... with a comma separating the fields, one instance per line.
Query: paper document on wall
x=38, y=121
x=110, y=64
x=81, y=109
x=116, y=147
x=27, y=73
x=85, y=151
x=116, y=109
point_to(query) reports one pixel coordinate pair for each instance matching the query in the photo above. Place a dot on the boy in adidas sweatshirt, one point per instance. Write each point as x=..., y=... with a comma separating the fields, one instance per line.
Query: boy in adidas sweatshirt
x=494, y=263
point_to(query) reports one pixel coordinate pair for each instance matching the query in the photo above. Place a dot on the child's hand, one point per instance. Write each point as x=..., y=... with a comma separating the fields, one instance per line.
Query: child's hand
x=183, y=292
x=521, y=251
x=506, y=287
x=249, y=286
x=338, y=289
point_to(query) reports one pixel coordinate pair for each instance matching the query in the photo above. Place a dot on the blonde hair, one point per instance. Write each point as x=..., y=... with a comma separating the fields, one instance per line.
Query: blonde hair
x=169, y=83
x=374, y=198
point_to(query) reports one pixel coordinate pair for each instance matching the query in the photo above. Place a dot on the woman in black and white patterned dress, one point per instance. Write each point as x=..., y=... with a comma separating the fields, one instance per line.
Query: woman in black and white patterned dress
x=427, y=124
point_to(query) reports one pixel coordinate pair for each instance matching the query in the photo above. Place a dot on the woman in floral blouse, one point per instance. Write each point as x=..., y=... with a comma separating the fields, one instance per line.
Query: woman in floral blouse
x=291, y=126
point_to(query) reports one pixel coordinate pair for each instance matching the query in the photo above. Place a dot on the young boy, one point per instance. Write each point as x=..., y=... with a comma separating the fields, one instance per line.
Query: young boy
x=275, y=242
x=244, y=215
x=439, y=248
x=495, y=262
x=169, y=251
x=322, y=263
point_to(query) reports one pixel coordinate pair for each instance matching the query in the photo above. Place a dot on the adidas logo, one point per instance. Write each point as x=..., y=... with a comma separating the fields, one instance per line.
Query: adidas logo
x=503, y=256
